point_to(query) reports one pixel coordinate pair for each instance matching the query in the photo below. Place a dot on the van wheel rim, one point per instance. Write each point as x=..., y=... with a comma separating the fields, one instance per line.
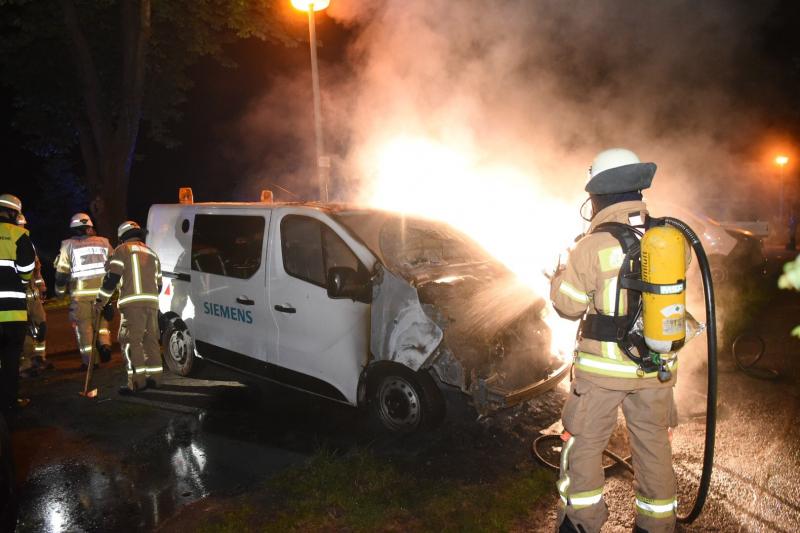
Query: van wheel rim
x=179, y=347
x=399, y=404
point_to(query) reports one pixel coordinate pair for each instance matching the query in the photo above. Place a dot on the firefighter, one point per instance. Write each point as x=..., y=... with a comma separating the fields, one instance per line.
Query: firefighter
x=80, y=266
x=605, y=377
x=17, y=261
x=136, y=271
x=34, y=351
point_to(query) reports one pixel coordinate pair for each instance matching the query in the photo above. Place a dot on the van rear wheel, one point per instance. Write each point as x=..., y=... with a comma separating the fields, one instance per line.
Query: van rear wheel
x=178, y=348
x=404, y=401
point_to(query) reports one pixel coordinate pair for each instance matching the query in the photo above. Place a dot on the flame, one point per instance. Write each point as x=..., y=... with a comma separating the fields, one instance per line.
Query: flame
x=505, y=210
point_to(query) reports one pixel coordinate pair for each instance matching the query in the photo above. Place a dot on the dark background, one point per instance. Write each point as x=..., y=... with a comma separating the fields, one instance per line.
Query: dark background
x=209, y=132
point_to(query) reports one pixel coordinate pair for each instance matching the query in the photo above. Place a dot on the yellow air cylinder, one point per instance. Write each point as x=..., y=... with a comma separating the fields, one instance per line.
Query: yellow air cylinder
x=663, y=263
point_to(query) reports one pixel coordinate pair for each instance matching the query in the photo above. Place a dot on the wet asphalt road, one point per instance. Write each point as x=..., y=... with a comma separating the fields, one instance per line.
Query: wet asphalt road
x=118, y=464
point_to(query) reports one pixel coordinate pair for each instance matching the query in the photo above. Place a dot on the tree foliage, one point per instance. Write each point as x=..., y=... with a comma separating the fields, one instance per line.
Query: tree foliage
x=86, y=73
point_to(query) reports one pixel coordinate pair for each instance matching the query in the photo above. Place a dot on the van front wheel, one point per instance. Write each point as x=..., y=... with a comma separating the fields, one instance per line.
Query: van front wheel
x=404, y=401
x=178, y=348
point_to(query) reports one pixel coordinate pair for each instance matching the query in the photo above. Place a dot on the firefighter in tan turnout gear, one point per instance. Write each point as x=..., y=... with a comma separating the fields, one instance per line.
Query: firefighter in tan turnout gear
x=605, y=376
x=34, y=352
x=80, y=267
x=136, y=271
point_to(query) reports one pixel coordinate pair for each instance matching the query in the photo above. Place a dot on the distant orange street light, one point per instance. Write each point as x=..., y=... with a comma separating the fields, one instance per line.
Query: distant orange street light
x=781, y=160
x=323, y=162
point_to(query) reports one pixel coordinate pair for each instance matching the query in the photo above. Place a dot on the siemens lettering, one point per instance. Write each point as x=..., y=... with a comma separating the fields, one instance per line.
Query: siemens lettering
x=236, y=314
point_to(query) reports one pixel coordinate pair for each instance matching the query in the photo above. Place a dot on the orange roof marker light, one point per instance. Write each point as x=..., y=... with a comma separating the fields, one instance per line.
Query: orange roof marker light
x=267, y=197
x=185, y=195
x=310, y=5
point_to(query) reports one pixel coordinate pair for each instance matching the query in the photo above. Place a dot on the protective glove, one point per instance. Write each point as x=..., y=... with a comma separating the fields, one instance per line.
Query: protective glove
x=108, y=311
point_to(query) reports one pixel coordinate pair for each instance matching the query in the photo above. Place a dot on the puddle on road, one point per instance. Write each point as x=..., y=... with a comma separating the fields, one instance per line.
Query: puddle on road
x=177, y=466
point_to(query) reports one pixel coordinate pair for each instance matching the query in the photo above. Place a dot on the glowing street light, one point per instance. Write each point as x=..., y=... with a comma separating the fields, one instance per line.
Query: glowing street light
x=323, y=161
x=781, y=161
x=309, y=5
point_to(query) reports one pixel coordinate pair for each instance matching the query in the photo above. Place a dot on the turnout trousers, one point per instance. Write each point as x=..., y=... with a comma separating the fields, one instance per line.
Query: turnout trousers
x=589, y=418
x=12, y=337
x=138, y=339
x=81, y=314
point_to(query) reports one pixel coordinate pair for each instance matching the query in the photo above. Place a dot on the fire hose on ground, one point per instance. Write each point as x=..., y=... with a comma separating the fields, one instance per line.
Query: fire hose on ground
x=747, y=366
x=711, y=397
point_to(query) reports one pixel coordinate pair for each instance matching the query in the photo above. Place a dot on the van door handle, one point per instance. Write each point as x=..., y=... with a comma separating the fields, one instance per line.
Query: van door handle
x=244, y=300
x=283, y=309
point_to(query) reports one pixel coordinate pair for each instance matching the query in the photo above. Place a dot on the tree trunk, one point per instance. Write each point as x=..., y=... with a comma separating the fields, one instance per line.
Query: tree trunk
x=108, y=136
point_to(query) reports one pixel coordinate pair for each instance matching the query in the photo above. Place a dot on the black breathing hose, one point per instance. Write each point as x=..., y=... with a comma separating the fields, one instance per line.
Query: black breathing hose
x=711, y=399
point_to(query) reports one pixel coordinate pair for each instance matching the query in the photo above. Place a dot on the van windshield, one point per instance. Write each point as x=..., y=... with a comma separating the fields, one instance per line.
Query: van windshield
x=409, y=246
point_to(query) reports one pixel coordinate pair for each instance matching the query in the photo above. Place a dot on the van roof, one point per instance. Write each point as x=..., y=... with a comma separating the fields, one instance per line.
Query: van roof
x=338, y=207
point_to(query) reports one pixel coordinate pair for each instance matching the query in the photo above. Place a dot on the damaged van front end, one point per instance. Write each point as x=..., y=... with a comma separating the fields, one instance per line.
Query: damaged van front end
x=428, y=328
x=441, y=304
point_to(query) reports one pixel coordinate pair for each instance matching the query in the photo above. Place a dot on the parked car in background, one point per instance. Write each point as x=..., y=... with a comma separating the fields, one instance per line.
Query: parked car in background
x=731, y=250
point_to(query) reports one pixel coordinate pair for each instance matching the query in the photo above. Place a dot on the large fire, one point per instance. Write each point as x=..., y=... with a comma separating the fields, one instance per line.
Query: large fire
x=506, y=211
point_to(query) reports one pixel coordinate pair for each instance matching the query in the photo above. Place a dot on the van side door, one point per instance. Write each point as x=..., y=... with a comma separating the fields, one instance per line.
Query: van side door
x=233, y=325
x=323, y=342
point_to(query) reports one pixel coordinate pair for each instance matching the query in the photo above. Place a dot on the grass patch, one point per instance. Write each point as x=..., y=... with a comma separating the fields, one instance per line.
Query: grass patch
x=234, y=521
x=361, y=492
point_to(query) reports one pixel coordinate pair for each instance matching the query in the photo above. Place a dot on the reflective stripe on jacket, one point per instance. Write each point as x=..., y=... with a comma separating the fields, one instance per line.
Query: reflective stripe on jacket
x=17, y=261
x=136, y=270
x=81, y=264
x=588, y=284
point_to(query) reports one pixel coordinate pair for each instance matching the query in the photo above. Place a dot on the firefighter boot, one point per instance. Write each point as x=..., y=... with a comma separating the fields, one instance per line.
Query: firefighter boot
x=568, y=527
x=105, y=352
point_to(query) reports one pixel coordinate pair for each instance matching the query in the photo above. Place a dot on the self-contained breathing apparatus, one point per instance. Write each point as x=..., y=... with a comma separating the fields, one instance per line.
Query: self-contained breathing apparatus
x=652, y=327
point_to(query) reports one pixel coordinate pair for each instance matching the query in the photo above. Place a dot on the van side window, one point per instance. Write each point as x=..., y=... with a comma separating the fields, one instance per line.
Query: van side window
x=310, y=248
x=227, y=245
x=338, y=254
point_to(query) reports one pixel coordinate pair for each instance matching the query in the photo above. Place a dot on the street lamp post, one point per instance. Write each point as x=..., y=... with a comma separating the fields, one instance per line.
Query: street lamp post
x=781, y=161
x=323, y=161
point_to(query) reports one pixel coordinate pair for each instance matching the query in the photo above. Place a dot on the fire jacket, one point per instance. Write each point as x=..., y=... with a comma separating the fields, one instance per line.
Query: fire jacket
x=588, y=284
x=136, y=270
x=81, y=264
x=17, y=261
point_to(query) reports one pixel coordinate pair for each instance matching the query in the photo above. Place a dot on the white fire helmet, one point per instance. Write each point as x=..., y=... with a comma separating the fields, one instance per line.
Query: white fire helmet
x=21, y=220
x=126, y=227
x=612, y=158
x=618, y=170
x=9, y=201
x=80, y=220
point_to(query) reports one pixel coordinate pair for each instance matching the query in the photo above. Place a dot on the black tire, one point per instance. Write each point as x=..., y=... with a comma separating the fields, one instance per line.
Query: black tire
x=178, y=348
x=8, y=491
x=402, y=401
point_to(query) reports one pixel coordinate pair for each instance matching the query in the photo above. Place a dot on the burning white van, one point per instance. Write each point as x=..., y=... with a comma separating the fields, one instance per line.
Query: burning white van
x=360, y=306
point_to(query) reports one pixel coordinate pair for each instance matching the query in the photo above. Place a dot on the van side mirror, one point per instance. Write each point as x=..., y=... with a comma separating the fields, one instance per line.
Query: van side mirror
x=344, y=282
